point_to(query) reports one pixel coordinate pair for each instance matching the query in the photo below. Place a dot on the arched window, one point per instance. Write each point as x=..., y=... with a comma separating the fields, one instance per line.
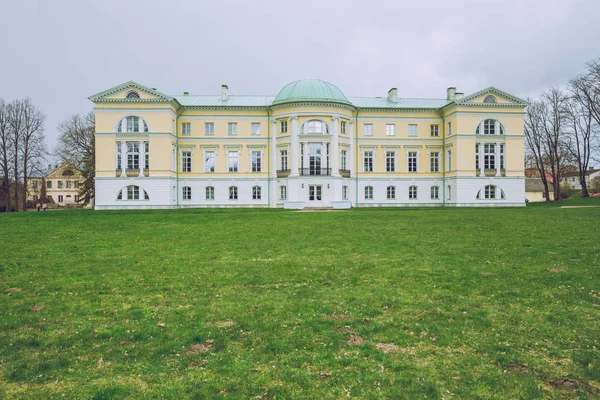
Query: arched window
x=132, y=95
x=133, y=192
x=490, y=127
x=368, y=192
x=391, y=192
x=233, y=193
x=67, y=172
x=132, y=124
x=412, y=192
x=491, y=192
x=490, y=99
x=314, y=126
x=256, y=192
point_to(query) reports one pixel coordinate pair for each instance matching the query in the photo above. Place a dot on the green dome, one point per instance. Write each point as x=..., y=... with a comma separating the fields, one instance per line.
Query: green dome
x=310, y=90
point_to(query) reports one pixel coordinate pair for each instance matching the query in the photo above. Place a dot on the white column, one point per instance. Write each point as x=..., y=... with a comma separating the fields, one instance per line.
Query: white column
x=274, y=154
x=497, y=156
x=481, y=160
x=123, y=158
x=334, y=149
x=294, y=147
x=351, y=158
x=142, y=158
x=305, y=162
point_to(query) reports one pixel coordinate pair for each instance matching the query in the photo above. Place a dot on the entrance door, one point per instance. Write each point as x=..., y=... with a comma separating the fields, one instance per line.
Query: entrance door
x=314, y=196
x=314, y=161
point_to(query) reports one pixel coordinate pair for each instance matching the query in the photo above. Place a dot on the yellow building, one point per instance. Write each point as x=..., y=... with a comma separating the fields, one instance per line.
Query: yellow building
x=309, y=146
x=59, y=186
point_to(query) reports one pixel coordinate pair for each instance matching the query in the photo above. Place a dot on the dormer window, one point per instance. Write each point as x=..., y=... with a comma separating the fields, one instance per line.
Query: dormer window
x=490, y=99
x=132, y=95
x=132, y=124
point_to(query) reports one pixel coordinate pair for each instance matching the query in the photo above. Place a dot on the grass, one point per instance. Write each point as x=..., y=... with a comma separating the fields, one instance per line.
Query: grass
x=395, y=303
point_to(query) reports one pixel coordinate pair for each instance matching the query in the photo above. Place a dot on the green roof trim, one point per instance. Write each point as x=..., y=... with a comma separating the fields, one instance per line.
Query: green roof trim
x=307, y=90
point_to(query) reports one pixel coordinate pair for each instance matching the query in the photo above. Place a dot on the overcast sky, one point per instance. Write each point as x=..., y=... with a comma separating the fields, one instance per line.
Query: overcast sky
x=59, y=52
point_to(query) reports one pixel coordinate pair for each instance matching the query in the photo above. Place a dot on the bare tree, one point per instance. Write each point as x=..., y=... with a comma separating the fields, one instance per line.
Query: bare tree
x=535, y=139
x=5, y=160
x=586, y=90
x=76, y=145
x=15, y=122
x=555, y=116
x=33, y=147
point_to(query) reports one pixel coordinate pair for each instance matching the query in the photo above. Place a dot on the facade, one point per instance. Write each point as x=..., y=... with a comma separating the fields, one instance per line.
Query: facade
x=309, y=146
x=534, y=190
x=572, y=177
x=59, y=186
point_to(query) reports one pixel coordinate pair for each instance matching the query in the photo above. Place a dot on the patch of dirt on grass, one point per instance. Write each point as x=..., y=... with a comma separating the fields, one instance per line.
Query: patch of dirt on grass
x=225, y=324
x=14, y=289
x=387, y=347
x=37, y=308
x=324, y=373
x=557, y=270
x=337, y=317
x=356, y=340
x=518, y=368
x=488, y=273
x=571, y=384
x=197, y=348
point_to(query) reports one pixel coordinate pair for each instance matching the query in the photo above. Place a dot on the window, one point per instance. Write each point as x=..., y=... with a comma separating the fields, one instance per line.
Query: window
x=344, y=160
x=233, y=193
x=391, y=192
x=477, y=156
x=390, y=161
x=132, y=124
x=186, y=161
x=368, y=192
x=412, y=130
x=449, y=160
x=60, y=184
x=368, y=161
x=210, y=193
x=146, y=155
x=186, y=128
x=315, y=126
x=68, y=184
x=412, y=161
x=344, y=192
x=283, y=126
x=489, y=156
x=283, y=160
x=368, y=129
x=449, y=129
x=233, y=160
x=490, y=99
x=209, y=128
x=434, y=130
x=449, y=192
x=390, y=130
x=132, y=95
x=232, y=128
x=35, y=184
x=209, y=161
x=412, y=192
x=490, y=192
x=502, y=165
x=435, y=192
x=343, y=127
x=256, y=192
x=255, y=128
x=256, y=161
x=48, y=184
x=490, y=127
x=434, y=161
x=119, y=155
x=187, y=193
x=132, y=192
x=76, y=197
x=283, y=192
x=60, y=198
x=133, y=155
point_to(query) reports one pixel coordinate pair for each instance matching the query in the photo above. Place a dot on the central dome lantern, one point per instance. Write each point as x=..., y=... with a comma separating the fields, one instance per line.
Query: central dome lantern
x=310, y=90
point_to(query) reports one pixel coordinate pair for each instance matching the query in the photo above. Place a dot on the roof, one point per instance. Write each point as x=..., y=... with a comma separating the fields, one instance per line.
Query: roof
x=383, y=102
x=232, y=101
x=534, y=185
x=310, y=90
x=567, y=174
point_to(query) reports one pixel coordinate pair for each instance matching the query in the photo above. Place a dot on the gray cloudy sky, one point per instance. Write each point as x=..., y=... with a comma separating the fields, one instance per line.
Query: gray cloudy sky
x=59, y=52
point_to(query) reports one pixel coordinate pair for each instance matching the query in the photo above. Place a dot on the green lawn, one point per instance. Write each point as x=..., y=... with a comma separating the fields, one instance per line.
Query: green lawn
x=392, y=303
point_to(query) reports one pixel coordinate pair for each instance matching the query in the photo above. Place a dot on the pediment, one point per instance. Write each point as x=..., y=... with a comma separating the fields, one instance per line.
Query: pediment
x=130, y=92
x=491, y=97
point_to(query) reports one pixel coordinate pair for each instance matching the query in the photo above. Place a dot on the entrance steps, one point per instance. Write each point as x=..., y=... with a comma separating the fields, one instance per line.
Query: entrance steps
x=318, y=209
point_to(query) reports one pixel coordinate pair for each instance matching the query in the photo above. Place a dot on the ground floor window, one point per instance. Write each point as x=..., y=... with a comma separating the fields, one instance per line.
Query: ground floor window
x=60, y=198
x=491, y=192
x=391, y=192
x=412, y=192
x=233, y=193
x=187, y=193
x=368, y=192
x=133, y=192
x=256, y=193
x=449, y=192
x=283, y=192
x=435, y=193
x=344, y=192
x=210, y=193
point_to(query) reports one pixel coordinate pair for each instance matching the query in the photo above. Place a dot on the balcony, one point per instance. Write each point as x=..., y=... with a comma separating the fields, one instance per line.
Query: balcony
x=490, y=172
x=315, y=171
x=130, y=173
x=283, y=173
x=345, y=173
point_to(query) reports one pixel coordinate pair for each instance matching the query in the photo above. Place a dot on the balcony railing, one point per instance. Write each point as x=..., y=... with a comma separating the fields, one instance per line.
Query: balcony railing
x=345, y=173
x=132, y=172
x=490, y=172
x=283, y=173
x=315, y=171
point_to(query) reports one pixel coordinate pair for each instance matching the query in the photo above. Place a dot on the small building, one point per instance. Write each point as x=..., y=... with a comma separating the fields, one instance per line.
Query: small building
x=59, y=186
x=572, y=177
x=534, y=190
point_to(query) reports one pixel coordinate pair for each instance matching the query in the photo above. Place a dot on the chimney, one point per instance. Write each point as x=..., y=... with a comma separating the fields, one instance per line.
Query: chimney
x=153, y=88
x=393, y=95
x=186, y=93
x=49, y=167
x=451, y=93
x=224, y=94
x=458, y=96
